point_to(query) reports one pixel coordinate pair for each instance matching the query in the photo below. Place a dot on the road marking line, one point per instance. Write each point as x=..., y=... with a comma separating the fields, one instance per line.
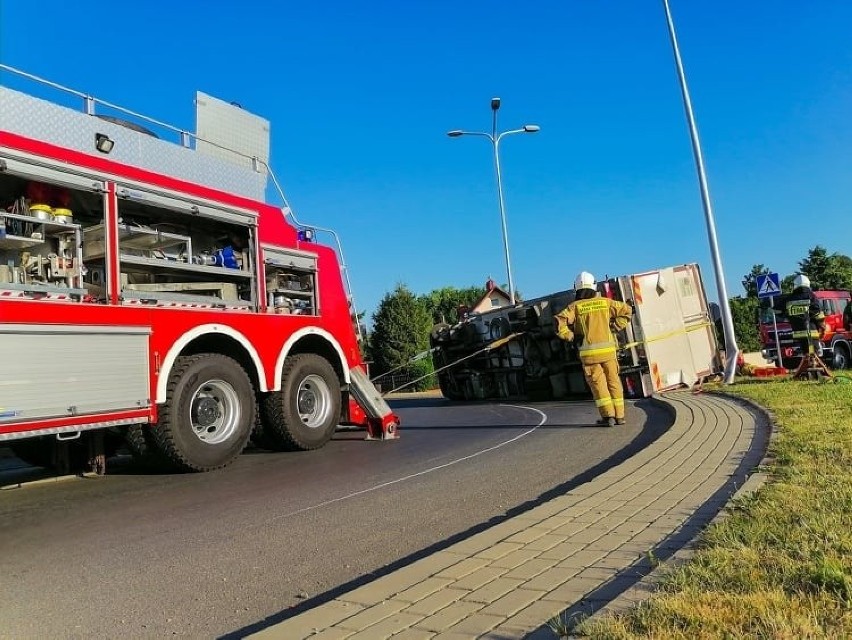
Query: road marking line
x=389, y=483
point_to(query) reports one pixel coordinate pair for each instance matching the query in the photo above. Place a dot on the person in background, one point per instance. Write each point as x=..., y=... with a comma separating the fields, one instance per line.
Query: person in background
x=805, y=316
x=592, y=321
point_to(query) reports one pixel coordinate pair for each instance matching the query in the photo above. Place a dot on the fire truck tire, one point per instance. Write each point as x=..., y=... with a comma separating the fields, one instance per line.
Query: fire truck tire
x=840, y=357
x=139, y=440
x=259, y=435
x=304, y=414
x=208, y=415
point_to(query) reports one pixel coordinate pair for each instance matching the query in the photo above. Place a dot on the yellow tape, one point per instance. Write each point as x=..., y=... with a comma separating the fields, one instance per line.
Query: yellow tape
x=502, y=341
x=670, y=334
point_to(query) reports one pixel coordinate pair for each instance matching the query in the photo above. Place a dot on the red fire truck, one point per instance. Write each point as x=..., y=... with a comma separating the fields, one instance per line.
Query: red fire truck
x=148, y=294
x=836, y=344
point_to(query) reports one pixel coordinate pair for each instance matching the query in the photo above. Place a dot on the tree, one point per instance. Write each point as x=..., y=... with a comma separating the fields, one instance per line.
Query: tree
x=838, y=275
x=364, y=342
x=827, y=271
x=401, y=327
x=814, y=265
x=744, y=316
x=750, y=279
x=442, y=304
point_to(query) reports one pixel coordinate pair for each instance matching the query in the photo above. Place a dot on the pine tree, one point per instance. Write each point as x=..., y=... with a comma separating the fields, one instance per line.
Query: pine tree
x=826, y=271
x=401, y=327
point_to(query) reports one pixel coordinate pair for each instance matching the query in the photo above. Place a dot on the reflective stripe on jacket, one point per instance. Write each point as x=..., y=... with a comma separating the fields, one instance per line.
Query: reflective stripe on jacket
x=804, y=313
x=591, y=322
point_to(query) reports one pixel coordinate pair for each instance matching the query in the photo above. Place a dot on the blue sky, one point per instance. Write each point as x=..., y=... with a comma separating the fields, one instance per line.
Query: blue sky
x=360, y=97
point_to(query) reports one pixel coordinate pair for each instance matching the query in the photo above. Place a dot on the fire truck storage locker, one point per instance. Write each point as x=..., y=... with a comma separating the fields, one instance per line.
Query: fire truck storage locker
x=39, y=245
x=291, y=281
x=174, y=249
x=55, y=370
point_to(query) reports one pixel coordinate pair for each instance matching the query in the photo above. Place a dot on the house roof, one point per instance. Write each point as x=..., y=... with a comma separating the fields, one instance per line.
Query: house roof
x=491, y=289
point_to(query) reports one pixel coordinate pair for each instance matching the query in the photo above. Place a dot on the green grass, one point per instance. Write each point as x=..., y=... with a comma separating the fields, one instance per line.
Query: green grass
x=780, y=566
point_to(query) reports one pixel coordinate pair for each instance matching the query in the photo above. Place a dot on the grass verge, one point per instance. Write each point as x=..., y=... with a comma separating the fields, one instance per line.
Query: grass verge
x=780, y=566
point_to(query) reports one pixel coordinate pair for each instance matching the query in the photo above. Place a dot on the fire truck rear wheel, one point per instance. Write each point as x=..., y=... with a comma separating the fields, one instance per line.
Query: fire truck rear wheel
x=208, y=415
x=840, y=359
x=304, y=414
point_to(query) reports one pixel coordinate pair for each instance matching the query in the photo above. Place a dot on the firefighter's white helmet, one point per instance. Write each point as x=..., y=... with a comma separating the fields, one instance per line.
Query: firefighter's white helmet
x=801, y=280
x=584, y=280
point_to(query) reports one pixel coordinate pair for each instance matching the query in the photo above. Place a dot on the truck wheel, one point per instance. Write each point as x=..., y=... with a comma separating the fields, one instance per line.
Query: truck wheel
x=139, y=440
x=136, y=442
x=840, y=360
x=208, y=415
x=448, y=390
x=304, y=414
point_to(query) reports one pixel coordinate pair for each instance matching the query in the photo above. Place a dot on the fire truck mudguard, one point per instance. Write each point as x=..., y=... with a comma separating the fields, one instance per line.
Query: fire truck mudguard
x=207, y=418
x=304, y=414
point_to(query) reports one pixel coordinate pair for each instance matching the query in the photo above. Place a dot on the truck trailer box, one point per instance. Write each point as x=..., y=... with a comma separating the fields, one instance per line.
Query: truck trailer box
x=670, y=342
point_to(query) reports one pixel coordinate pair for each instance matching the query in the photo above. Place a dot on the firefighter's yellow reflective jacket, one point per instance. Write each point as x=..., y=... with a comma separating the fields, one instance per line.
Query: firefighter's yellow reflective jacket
x=804, y=314
x=591, y=323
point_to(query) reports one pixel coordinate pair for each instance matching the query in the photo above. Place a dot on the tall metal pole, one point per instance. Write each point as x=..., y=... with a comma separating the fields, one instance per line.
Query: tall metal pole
x=496, y=142
x=495, y=138
x=731, y=349
x=775, y=329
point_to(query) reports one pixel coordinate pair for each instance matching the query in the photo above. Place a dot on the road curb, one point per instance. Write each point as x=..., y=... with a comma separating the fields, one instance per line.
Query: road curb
x=568, y=557
x=646, y=587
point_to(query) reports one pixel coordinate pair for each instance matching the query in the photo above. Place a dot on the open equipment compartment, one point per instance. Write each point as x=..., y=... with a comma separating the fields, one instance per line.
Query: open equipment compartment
x=291, y=281
x=42, y=213
x=175, y=251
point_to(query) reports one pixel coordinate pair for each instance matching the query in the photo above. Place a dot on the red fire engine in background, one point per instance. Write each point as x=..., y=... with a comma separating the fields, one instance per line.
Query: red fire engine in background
x=836, y=343
x=147, y=293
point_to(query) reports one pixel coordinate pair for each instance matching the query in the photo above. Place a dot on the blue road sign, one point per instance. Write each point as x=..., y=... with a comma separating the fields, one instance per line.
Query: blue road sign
x=768, y=285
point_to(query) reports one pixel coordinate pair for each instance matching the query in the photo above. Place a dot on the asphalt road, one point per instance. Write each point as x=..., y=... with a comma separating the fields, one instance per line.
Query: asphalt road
x=142, y=555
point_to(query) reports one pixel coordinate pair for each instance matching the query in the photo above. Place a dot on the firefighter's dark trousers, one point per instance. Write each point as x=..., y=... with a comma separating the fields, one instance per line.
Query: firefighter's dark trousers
x=606, y=388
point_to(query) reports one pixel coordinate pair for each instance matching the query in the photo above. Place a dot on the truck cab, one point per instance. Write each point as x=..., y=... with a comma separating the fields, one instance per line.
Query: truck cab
x=836, y=344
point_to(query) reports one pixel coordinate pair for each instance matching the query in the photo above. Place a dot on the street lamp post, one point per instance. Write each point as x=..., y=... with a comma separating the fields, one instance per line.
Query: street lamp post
x=495, y=138
x=731, y=348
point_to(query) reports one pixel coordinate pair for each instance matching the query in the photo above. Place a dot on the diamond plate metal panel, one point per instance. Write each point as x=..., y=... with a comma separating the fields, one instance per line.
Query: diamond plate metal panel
x=42, y=120
x=228, y=126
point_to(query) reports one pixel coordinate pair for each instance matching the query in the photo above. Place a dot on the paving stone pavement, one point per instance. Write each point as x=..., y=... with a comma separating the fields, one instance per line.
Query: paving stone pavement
x=574, y=553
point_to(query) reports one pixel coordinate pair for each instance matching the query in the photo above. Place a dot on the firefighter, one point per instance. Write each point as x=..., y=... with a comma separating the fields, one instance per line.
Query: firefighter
x=805, y=316
x=592, y=321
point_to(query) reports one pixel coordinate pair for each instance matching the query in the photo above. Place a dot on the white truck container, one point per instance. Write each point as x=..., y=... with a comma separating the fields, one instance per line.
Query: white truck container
x=670, y=342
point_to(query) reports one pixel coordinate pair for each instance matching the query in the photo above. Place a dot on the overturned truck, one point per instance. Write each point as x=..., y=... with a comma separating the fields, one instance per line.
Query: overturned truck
x=514, y=352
